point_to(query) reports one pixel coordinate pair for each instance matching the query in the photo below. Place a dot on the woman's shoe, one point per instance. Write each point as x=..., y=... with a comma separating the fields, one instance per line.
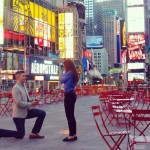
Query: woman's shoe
x=70, y=139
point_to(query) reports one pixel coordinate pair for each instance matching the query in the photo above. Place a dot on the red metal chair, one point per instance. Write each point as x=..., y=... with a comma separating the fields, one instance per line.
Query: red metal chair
x=6, y=108
x=139, y=132
x=116, y=137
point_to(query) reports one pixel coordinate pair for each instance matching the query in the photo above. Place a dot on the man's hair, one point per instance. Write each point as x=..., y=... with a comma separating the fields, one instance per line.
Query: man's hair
x=18, y=73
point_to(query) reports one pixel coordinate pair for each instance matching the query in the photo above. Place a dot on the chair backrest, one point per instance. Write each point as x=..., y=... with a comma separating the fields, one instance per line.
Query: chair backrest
x=98, y=116
x=140, y=116
x=137, y=115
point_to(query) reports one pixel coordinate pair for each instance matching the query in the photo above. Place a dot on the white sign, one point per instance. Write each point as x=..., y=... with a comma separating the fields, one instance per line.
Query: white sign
x=131, y=76
x=54, y=77
x=135, y=2
x=135, y=19
x=136, y=65
x=47, y=68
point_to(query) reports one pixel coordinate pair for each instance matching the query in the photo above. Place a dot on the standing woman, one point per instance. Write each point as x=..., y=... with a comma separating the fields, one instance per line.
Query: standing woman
x=70, y=79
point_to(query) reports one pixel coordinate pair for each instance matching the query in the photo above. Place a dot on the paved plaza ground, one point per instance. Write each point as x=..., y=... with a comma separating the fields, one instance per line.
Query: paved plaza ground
x=55, y=129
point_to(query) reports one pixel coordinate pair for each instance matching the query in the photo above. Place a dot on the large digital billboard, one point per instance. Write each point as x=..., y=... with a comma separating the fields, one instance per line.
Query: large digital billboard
x=33, y=19
x=135, y=2
x=123, y=33
x=135, y=19
x=139, y=76
x=47, y=68
x=1, y=21
x=136, y=47
x=66, y=43
x=94, y=41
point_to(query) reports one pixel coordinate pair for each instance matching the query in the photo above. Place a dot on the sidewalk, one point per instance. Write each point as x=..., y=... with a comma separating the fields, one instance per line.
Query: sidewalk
x=55, y=129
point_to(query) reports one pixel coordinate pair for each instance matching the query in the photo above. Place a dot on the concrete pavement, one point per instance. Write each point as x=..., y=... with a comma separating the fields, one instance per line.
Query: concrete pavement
x=55, y=129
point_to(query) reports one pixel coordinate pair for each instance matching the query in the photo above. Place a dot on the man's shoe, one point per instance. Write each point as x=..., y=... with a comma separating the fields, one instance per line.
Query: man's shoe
x=70, y=139
x=36, y=136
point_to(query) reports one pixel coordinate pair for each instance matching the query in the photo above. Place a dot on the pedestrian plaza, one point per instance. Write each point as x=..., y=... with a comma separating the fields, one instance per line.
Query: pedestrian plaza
x=55, y=129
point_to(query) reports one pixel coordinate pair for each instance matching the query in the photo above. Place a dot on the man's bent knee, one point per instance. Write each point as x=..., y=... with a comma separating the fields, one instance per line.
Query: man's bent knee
x=42, y=113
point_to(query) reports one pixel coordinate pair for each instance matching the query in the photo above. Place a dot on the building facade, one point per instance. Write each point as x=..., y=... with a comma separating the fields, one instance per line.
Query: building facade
x=81, y=34
x=58, y=3
x=93, y=17
x=35, y=35
x=109, y=29
x=100, y=60
x=118, y=5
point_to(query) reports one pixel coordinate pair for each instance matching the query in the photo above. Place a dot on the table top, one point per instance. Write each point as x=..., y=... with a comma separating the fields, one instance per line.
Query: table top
x=125, y=99
x=124, y=111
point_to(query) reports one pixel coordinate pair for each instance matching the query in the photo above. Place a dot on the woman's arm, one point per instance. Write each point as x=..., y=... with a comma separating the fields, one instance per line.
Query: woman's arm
x=65, y=77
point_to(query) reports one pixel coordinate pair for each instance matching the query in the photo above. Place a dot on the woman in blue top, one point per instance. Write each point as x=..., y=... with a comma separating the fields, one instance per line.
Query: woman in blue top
x=70, y=79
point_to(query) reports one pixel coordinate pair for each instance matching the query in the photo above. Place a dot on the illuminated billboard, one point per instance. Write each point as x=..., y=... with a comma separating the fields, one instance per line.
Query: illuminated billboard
x=123, y=56
x=1, y=21
x=136, y=47
x=94, y=41
x=66, y=44
x=123, y=33
x=47, y=68
x=135, y=2
x=34, y=20
x=87, y=54
x=135, y=19
x=138, y=76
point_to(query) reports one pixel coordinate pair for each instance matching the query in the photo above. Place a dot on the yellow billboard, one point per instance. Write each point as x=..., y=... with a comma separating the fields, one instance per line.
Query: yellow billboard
x=124, y=34
x=34, y=20
x=1, y=21
x=66, y=44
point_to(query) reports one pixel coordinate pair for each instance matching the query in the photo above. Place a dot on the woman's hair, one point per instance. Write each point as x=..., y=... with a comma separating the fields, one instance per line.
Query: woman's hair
x=69, y=66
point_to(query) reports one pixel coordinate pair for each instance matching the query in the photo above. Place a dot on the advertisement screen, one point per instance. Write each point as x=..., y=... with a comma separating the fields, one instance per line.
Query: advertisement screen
x=123, y=37
x=123, y=56
x=137, y=76
x=135, y=20
x=33, y=19
x=66, y=44
x=135, y=2
x=48, y=68
x=136, y=65
x=87, y=54
x=94, y=41
x=1, y=22
x=136, y=47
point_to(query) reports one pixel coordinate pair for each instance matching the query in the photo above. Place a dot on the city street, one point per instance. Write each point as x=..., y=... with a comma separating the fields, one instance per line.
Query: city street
x=55, y=129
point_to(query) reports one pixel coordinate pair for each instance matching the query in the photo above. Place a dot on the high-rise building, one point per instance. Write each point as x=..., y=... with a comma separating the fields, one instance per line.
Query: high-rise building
x=112, y=11
x=80, y=39
x=100, y=60
x=109, y=31
x=118, y=5
x=93, y=17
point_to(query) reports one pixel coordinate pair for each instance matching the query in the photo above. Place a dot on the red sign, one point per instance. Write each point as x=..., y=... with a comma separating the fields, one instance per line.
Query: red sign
x=13, y=35
x=123, y=56
x=136, y=47
x=87, y=54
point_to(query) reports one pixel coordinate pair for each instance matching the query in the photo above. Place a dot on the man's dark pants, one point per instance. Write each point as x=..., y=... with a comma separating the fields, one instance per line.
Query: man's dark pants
x=20, y=124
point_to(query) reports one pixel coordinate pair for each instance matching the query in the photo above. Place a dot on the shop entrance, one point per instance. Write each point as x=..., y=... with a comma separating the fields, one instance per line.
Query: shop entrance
x=53, y=85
